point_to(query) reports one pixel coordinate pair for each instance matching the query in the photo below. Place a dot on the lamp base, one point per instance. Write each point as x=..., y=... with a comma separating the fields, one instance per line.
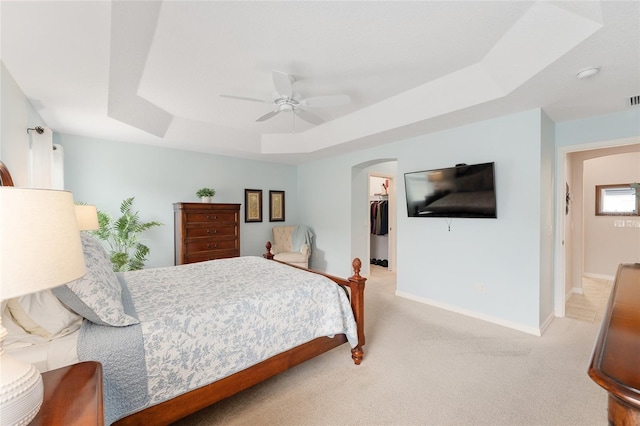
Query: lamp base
x=21, y=390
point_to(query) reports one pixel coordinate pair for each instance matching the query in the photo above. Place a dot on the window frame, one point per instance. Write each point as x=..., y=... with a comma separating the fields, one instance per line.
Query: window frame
x=599, y=200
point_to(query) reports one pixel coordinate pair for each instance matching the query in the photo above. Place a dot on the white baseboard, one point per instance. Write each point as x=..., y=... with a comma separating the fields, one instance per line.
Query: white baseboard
x=574, y=290
x=547, y=323
x=499, y=321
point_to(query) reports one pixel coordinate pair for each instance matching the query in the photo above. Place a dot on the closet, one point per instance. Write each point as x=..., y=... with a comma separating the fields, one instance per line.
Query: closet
x=379, y=221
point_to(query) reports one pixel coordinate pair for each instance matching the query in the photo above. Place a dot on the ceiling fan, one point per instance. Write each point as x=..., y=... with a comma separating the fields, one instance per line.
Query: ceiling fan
x=285, y=102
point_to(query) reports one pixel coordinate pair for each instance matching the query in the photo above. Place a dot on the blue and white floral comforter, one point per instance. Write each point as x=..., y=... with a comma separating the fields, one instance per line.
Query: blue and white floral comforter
x=204, y=321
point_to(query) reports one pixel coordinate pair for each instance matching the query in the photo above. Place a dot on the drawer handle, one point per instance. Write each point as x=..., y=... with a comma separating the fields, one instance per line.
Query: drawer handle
x=214, y=246
x=214, y=218
x=215, y=231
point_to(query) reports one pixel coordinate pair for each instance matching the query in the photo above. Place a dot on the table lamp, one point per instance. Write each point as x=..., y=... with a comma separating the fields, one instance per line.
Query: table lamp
x=40, y=248
x=87, y=217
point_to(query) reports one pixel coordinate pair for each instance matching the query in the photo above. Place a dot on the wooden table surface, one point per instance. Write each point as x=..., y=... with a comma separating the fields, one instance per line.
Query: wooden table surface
x=616, y=357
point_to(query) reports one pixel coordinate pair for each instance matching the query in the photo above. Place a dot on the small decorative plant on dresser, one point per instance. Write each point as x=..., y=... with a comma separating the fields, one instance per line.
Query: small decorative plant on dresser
x=206, y=194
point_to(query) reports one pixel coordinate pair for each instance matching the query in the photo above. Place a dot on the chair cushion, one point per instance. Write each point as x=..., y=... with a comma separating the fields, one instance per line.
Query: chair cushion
x=291, y=257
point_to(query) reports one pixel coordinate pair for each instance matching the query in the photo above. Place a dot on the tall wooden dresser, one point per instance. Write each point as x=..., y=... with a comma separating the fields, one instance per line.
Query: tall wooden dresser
x=206, y=231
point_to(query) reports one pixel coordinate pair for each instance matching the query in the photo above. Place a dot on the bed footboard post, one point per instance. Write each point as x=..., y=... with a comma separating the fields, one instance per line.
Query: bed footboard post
x=268, y=254
x=356, y=284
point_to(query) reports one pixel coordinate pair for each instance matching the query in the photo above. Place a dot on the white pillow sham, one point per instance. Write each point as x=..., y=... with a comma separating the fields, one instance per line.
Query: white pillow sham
x=17, y=337
x=42, y=314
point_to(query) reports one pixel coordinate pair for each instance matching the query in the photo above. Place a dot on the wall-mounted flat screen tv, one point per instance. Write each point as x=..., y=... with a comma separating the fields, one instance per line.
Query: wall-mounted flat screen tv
x=460, y=191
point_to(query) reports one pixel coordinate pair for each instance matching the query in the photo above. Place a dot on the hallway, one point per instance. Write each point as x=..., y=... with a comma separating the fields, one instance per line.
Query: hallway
x=591, y=305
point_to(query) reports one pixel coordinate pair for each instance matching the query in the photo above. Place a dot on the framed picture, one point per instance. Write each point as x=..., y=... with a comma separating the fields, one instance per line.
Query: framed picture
x=253, y=205
x=276, y=206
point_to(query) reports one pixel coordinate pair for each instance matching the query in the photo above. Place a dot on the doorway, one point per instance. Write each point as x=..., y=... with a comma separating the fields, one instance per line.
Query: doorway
x=380, y=207
x=385, y=169
x=382, y=235
x=570, y=244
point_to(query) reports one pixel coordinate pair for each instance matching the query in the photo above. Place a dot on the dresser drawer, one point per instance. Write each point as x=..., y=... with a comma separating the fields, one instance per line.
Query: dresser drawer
x=199, y=230
x=214, y=216
x=212, y=244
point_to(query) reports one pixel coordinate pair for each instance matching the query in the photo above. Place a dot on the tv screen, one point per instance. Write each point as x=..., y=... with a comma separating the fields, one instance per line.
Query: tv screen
x=461, y=191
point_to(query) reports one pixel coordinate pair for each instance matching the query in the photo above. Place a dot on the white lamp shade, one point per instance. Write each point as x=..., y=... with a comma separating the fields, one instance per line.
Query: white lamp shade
x=40, y=244
x=87, y=217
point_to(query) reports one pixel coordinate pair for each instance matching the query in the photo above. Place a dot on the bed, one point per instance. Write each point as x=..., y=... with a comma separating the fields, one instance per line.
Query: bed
x=174, y=340
x=163, y=360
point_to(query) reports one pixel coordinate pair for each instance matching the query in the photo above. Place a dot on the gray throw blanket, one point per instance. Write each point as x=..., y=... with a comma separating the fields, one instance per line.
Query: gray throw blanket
x=301, y=235
x=120, y=350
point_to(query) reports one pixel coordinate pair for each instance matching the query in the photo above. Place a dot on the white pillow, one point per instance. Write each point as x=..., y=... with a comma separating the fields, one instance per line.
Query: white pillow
x=17, y=337
x=98, y=295
x=42, y=314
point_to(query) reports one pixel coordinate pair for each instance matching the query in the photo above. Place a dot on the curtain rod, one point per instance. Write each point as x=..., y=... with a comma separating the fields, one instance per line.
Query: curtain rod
x=38, y=129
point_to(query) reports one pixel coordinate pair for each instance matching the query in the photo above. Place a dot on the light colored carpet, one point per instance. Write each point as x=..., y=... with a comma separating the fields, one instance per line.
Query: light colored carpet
x=428, y=366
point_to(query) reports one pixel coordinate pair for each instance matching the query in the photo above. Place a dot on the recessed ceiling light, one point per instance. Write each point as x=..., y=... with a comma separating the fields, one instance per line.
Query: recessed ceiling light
x=589, y=72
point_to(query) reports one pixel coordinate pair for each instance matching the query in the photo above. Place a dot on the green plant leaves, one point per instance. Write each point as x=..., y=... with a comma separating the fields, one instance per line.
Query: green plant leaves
x=121, y=235
x=205, y=192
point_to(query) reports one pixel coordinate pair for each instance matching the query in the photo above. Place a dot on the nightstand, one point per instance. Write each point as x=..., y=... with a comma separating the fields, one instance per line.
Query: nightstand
x=72, y=396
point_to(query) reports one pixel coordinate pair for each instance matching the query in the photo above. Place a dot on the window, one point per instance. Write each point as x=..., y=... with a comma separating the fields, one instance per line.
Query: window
x=616, y=200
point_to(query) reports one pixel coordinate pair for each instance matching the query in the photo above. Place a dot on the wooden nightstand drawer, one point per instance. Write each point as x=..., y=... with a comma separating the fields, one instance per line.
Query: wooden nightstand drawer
x=72, y=396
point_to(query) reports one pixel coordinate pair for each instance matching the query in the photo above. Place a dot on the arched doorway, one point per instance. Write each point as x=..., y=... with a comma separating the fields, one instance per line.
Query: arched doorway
x=360, y=209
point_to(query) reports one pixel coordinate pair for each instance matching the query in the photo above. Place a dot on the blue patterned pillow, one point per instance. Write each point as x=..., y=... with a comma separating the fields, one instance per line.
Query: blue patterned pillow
x=98, y=295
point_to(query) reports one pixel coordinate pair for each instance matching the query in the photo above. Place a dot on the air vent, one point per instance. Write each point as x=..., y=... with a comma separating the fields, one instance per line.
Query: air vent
x=634, y=100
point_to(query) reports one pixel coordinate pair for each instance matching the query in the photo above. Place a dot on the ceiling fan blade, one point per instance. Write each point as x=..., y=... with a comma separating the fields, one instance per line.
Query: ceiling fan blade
x=283, y=83
x=308, y=116
x=243, y=98
x=325, y=101
x=269, y=115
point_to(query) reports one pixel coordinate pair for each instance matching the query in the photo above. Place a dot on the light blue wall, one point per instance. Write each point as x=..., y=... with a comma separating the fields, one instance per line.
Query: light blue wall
x=601, y=128
x=16, y=116
x=104, y=172
x=547, y=215
x=436, y=264
x=512, y=255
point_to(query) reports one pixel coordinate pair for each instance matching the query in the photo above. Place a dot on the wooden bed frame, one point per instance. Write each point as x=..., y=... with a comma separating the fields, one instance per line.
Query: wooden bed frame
x=197, y=399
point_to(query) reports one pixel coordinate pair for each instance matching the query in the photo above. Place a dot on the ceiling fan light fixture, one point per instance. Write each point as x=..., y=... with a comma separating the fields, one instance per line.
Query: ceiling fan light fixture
x=284, y=102
x=589, y=72
x=286, y=107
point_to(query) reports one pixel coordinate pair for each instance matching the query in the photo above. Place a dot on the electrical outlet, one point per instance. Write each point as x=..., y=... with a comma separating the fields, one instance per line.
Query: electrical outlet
x=481, y=288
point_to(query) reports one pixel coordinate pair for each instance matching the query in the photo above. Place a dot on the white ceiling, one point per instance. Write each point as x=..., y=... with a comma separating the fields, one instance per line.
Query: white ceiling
x=153, y=72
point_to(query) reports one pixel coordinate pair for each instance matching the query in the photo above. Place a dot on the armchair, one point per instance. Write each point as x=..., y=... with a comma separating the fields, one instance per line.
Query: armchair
x=292, y=244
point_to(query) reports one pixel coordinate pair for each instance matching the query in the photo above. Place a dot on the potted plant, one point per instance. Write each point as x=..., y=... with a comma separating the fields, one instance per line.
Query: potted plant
x=126, y=252
x=206, y=194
